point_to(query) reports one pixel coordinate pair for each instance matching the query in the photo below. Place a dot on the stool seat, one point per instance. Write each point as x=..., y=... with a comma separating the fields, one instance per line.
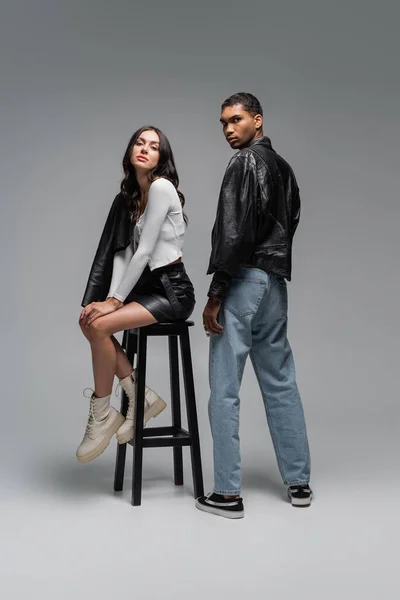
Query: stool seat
x=135, y=343
x=164, y=328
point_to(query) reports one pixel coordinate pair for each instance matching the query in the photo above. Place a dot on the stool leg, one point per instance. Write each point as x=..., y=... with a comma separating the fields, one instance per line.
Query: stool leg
x=192, y=414
x=119, y=468
x=139, y=412
x=121, y=448
x=176, y=404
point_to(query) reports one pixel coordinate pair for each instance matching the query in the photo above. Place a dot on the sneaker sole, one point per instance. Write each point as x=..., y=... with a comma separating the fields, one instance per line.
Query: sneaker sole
x=155, y=409
x=301, y=503
x=106, y=441
x=216, y=511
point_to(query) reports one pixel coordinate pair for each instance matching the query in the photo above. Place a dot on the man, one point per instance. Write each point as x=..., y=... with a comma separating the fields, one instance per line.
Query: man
x=258, y=212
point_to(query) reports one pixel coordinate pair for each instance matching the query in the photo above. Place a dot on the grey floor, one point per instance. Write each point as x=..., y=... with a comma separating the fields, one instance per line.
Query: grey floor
x=66, y=534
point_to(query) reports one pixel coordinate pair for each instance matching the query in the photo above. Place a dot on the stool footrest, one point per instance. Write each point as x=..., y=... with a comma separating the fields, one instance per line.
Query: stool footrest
x=162, y=437
x=168, y=430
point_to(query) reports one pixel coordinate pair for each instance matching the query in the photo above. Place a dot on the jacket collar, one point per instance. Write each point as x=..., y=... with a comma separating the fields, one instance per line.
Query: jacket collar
x=264, y=141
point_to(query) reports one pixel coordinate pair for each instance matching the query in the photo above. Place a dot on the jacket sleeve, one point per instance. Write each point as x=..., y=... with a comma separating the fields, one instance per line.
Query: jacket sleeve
x=101, y=271
x=295, y=211
x=234, y=232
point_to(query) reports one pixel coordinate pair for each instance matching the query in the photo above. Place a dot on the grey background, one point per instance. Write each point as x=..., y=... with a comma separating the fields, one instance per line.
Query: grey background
x=77, y=78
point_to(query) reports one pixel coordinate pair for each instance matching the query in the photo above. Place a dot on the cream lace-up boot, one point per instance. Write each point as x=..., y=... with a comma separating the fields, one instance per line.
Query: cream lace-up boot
x=153, y=406
x=102, y=423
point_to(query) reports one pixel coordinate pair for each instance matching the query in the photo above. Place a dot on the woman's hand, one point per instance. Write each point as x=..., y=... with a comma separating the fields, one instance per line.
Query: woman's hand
x=93, y=311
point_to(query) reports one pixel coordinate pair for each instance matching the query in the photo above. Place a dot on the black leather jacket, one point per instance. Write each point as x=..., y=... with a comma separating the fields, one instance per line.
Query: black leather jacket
x=117, y=234
x=257, y=215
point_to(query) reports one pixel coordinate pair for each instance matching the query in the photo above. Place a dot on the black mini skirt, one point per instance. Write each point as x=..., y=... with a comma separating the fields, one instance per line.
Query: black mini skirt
x=167, y=293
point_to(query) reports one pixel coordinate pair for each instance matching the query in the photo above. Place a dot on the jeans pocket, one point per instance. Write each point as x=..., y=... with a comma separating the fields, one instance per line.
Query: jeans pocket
x=244, y=296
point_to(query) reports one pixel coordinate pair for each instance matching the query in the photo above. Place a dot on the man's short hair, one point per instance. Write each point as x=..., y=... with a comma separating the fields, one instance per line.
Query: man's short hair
x=248, y=101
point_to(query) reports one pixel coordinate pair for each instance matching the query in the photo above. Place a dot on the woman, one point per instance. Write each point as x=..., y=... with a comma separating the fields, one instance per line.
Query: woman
x=139, y=262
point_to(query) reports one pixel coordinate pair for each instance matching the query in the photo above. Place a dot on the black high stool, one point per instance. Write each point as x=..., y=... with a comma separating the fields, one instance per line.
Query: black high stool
x=135, y=342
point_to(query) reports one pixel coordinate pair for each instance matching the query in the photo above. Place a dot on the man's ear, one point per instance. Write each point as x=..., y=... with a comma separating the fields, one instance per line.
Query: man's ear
x=258, y=120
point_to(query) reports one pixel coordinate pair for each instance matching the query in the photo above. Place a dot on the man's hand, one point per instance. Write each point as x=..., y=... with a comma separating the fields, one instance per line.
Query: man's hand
x=93, y=311
x=210, y=314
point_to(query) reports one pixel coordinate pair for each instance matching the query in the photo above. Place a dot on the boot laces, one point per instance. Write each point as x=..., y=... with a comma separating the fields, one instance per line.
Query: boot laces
x=129, y=412
x=92, y=417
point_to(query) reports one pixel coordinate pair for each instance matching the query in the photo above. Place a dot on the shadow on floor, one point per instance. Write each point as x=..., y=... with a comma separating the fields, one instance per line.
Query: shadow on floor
x=68, y=478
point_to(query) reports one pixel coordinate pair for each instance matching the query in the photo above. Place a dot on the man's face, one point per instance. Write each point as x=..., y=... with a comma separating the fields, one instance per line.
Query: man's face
x=239, y=126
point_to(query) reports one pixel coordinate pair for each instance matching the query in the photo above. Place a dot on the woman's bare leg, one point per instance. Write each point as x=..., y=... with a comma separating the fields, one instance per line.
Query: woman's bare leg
x=104, y=362
x=123, y=367
x=106, y=357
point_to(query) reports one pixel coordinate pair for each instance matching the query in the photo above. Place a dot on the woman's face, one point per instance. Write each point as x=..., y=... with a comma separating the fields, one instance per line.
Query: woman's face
x=146, y=151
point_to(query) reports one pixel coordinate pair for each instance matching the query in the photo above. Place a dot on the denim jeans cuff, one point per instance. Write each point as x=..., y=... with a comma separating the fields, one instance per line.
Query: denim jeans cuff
x=306, y=482
x=227, y=492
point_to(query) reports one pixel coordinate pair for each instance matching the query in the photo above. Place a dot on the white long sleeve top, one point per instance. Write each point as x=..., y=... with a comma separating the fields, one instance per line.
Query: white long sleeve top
x=158, y=239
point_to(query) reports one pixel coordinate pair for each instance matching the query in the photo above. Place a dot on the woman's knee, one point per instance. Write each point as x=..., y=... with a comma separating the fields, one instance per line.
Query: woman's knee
x=85, y=330
x=99, y=328
x=94, y=330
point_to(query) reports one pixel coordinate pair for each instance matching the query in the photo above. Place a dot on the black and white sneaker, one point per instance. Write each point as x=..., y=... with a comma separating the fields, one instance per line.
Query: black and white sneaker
x=300, y=495
x=218, y=505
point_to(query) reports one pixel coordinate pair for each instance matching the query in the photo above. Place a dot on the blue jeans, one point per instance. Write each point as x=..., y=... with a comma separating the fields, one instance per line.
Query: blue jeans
x=254, y=317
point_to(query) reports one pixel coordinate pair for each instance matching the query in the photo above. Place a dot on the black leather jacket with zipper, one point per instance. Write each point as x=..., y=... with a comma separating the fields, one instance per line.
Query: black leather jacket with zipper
x=257, y=215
